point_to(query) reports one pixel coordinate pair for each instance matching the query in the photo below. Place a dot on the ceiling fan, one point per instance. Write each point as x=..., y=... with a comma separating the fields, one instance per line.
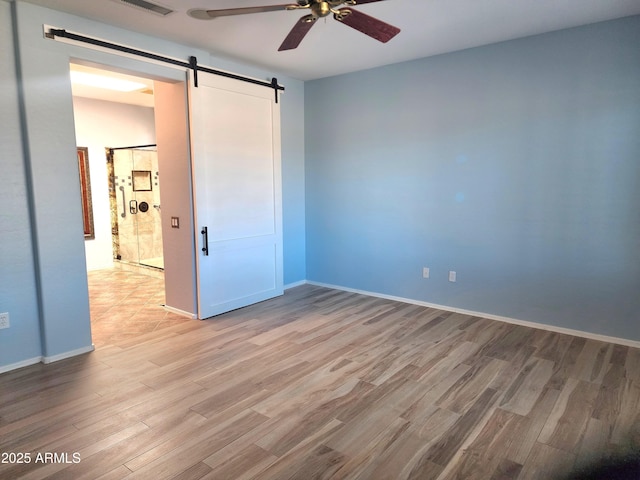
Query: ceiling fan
x=366, y=24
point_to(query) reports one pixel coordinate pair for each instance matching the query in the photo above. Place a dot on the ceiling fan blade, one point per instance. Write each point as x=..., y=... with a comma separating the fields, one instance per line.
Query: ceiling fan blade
x=367, y=24
x=362, y=2
x=226, y=12
x=298, y=32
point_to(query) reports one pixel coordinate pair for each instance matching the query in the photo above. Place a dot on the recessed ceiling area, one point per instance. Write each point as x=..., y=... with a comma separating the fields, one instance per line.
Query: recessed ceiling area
x=428, y=27
x=97, y=83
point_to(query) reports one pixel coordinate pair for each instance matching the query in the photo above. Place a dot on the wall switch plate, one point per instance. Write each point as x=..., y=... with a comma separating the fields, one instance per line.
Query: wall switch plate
x=425, y=272
x=175, y=222
x=4, y=320
x=452, y=276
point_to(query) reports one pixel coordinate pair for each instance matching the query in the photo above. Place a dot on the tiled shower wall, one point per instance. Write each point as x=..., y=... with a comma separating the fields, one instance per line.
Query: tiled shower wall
x=137, y=233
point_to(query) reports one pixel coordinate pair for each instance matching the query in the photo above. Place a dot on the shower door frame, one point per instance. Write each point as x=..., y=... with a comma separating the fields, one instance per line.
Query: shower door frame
x=113, y=203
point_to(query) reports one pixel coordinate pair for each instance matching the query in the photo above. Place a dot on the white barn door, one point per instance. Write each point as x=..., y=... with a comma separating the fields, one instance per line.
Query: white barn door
x=235, y=145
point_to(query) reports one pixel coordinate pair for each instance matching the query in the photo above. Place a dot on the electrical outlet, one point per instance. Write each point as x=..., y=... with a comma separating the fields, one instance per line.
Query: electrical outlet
x=452, y=276
x=4, y=320
x=425, y=272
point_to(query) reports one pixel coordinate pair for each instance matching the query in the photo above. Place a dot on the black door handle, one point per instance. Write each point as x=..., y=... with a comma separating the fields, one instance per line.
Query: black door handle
x=205, y=240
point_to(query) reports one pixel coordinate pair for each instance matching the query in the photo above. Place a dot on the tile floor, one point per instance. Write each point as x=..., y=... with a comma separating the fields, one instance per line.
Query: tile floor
x=125, y=305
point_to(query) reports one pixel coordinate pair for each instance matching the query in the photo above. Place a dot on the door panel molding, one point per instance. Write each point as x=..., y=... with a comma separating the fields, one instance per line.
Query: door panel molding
x=235, y=144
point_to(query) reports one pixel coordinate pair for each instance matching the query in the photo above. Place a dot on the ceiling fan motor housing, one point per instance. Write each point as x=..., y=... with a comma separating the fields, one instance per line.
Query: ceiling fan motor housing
x=321, y=9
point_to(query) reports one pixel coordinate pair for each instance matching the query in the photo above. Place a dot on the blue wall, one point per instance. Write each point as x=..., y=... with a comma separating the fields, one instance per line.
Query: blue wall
x=18, y=290
x=517, y=165
x=43, y=280
x=293, y=212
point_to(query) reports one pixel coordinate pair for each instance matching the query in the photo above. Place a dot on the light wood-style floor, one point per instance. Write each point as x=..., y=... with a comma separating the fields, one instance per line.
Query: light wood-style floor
x=322, y=384
x=126, y=304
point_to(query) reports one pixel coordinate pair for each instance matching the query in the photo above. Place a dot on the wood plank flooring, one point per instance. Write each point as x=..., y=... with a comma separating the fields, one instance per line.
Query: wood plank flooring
x=127, y=303
x=324, y=384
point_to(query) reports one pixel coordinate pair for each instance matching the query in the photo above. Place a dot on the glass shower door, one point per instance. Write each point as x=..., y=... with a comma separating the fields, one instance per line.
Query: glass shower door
x=138, y=226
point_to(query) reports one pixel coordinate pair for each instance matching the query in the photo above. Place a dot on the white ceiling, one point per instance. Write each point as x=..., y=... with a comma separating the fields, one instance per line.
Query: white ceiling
x=142, y=97
x=429, y=27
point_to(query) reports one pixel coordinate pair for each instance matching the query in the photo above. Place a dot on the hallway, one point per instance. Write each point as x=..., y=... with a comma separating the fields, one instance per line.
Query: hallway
x=125, y=305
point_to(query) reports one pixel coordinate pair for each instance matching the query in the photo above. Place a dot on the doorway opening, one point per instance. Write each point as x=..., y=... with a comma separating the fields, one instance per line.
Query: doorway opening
x=125, y=262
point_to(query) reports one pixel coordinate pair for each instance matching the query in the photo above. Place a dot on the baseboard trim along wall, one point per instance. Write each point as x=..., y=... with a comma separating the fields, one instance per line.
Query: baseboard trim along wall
x=177, y=311
x=514, y=321
x=295, y=284
x=46, y=359
x=69, y=354
x=24, y=363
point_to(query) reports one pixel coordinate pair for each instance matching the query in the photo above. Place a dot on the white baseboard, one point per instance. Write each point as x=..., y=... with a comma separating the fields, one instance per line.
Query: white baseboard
x=69, y=354
x=499, y=318
x=46, y=359
x=295, y=284
x=17, y=365
x=184, y=313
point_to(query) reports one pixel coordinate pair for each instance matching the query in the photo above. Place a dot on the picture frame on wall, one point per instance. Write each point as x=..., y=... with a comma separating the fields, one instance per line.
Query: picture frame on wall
x=85, y=191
